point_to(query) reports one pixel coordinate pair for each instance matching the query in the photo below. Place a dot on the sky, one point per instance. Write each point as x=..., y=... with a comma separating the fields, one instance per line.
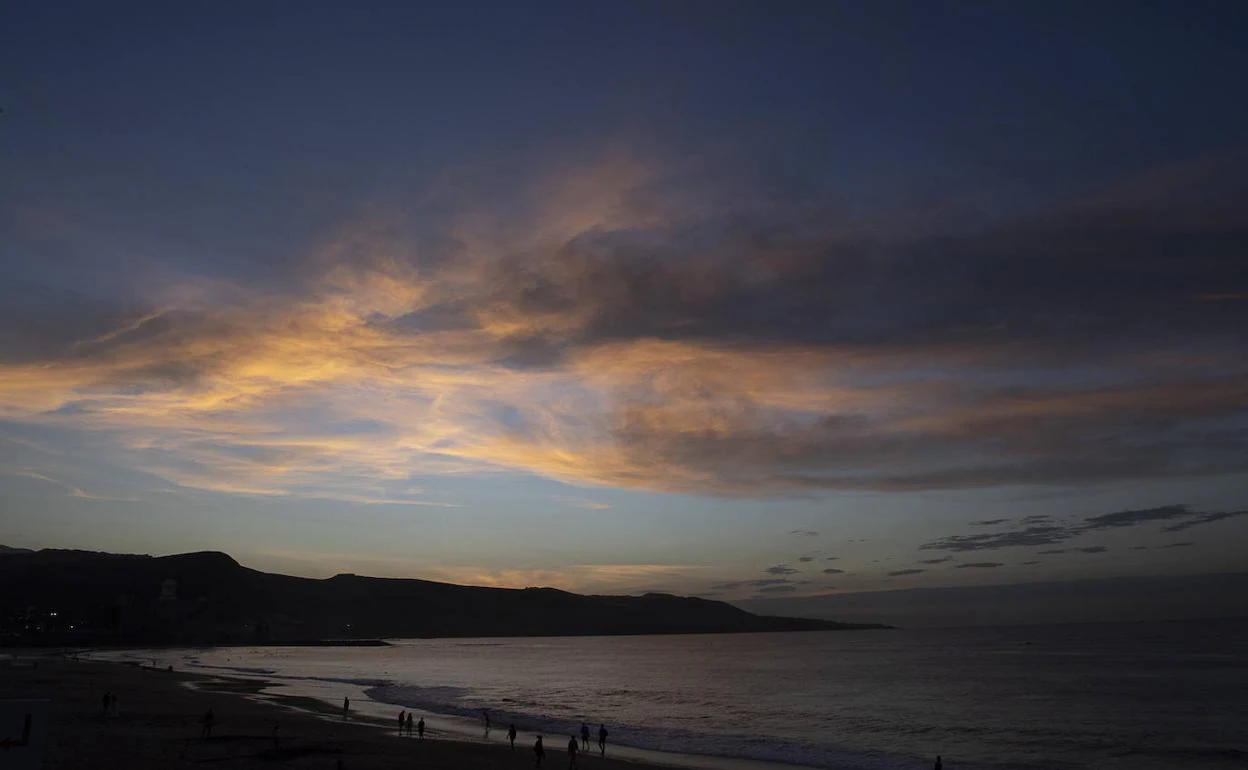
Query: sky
x=739, y=300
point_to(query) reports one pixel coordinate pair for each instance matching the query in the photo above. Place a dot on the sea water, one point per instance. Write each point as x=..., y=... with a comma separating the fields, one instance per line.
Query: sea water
x=1139, y=696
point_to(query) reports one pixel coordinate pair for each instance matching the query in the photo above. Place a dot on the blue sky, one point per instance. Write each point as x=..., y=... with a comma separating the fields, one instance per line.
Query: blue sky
x=631, y=296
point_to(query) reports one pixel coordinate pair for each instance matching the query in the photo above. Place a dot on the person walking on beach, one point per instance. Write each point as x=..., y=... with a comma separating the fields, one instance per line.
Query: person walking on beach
x=346, y=707
x=420, y=728
x=938, y=766
x=402, y=720
x=602, y=739
x=409, y=724
x=539, y=753
x=511, y=736
x=209, y=719
x=573, y=747
x=105, y=702
x=584, y=736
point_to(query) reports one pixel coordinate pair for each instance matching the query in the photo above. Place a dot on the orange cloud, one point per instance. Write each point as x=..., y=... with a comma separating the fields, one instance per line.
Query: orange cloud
x=595, y=343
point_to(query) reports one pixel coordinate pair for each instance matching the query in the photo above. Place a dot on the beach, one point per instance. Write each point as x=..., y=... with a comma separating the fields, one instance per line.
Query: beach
x=159, y=722
x=1026, y=698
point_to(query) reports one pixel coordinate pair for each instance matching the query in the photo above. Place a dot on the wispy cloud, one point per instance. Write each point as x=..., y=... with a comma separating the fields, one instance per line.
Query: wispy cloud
x=777, y=589
x=584, y=502
x=781, y=569
x=629, y=336
x=1133, y=517
x=67, y=488
x=1040, y=533
x=902, y=572
x=761, y=583
x=1029, y=536
x=1200, y=519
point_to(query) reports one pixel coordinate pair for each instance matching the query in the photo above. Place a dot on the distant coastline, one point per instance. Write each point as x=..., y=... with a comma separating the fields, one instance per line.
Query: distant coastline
x=56, y=598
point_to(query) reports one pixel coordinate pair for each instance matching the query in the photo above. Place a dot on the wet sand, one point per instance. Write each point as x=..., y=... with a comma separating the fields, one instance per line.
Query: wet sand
x=158, y=726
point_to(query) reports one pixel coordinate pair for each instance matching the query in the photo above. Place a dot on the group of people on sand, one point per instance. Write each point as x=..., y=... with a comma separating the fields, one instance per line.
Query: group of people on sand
x=405, y=724
x=574, y=748
x=539, y=749
x=108, y=705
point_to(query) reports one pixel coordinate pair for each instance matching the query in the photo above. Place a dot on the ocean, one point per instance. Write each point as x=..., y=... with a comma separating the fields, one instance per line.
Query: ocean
x=1134, y=695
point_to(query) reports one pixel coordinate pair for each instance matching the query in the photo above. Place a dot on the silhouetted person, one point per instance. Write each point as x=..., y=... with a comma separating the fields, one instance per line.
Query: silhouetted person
x=209, y=719
x=539, y=752
x=511, y=736
x=346, y=707
x=573, y=747
x=486, y=714
x=938, y=763
x=420, y=728
x=105, y=702
x=277, y=734
x=113, y=709
x=602, y=739
x=409, y=724
x=584, y=736
x=402, y=721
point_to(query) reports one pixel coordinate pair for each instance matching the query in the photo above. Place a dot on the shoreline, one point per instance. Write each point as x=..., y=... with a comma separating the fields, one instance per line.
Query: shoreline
x=443, y=726
x=263, y=686
x=160, y=712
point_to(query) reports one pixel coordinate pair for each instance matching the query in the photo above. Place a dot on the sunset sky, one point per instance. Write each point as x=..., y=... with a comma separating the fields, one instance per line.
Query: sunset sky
x=729, y=299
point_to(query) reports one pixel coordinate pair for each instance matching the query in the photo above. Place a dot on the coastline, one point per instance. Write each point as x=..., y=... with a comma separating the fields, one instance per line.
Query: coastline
x=159, y=726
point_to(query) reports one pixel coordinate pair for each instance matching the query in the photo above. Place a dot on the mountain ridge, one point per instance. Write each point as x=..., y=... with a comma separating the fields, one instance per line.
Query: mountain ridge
x=206, y=597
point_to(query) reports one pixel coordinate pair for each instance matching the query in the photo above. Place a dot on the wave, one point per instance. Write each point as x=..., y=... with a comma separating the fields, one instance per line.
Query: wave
x=238, y=669
x=269, y=673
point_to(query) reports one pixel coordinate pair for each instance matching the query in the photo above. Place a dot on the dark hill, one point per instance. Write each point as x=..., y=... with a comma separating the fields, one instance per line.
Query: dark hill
x=208, y=597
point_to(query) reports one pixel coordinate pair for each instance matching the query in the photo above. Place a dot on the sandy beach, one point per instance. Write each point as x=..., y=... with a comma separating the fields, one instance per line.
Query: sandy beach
x=158, y=726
